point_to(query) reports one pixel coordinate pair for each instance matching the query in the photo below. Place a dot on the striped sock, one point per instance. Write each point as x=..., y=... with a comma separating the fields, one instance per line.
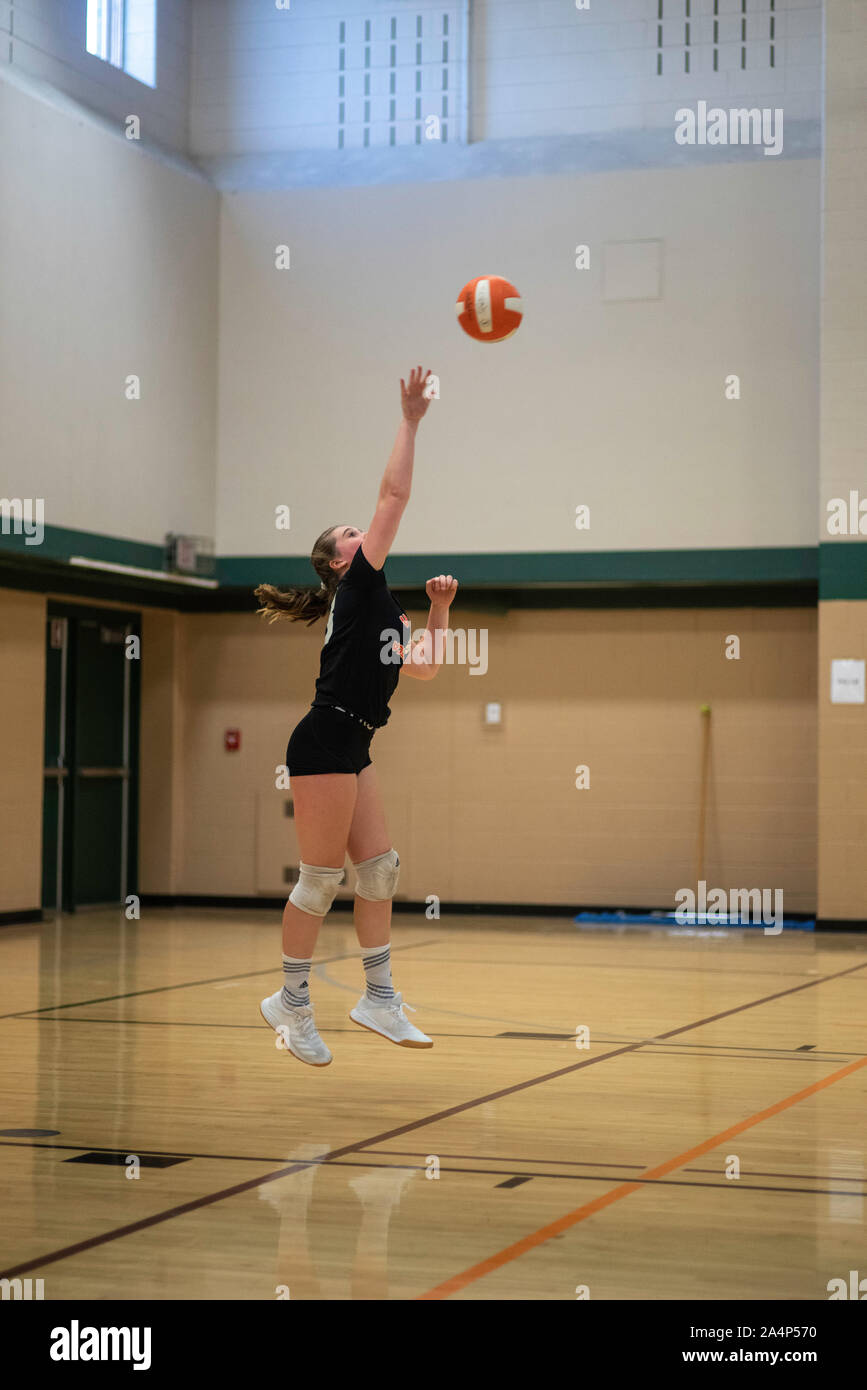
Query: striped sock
x=295, y=994
x=377, y=969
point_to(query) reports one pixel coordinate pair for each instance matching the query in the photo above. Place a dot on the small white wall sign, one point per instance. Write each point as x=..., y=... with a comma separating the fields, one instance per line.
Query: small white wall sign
x=847, y=682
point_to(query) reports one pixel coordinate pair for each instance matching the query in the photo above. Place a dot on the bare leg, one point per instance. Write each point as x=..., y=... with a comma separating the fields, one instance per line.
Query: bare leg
x=300, y=932
x=372, y=922
x=324, y=807
x=368, y=835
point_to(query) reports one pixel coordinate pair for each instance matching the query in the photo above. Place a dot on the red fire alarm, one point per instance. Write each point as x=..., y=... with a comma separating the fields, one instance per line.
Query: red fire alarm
x=232, y=740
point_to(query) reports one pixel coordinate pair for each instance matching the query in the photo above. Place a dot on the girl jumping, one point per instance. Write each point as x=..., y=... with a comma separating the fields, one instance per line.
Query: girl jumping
x=338, y=805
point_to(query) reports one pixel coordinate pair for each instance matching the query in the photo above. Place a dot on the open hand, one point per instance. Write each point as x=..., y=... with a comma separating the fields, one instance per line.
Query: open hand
x=412, y=399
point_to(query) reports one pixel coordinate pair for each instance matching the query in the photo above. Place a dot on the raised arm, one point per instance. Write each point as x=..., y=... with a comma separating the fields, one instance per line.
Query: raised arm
x=394, y=490
x=425, y=657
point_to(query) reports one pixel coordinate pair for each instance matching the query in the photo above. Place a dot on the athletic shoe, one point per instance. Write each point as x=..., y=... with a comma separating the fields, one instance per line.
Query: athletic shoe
x=389, y=1019
x=297, y=1029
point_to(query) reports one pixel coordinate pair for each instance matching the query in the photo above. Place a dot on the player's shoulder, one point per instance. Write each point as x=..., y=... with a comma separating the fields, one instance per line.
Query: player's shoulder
x=360, y=570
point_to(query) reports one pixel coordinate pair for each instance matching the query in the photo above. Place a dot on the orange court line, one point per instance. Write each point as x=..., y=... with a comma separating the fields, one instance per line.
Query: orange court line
x=520, y=1247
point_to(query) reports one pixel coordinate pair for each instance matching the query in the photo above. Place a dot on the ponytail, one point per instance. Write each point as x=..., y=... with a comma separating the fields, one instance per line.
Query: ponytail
x=304, y=605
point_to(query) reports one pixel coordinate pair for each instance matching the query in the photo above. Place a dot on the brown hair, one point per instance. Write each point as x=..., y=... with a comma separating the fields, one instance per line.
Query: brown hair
x=304, y=605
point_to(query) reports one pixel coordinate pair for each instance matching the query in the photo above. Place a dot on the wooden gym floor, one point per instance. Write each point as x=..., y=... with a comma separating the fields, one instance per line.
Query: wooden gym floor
x=560, y=1168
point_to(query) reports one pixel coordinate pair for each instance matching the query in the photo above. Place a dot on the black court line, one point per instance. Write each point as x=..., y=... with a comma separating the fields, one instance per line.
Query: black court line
x=756, y=1054
x=722, y=1184
x=313, y=1162
x=158, y=1153
x=503, y=1158
x=681, y=1050
x=539, y=1037
x=193, y=984
x=461, y=961
x=197, y=1203
x=137, y=993
x=252, y=1027
x=804, y=1177
x=119, y=1158
x=736, y=1056
x=523, y=1163
x=729, y=1049
x=832, y=1054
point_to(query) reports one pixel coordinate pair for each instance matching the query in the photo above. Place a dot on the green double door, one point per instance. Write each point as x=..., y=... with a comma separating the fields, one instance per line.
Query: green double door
x=91, y=757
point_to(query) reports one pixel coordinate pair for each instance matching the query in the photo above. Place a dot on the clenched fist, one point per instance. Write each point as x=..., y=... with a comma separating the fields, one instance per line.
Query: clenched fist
x=441, y=590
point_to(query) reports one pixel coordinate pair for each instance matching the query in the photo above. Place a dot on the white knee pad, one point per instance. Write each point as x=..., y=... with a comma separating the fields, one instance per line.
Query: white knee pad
x=377, y=877
x=316, y=889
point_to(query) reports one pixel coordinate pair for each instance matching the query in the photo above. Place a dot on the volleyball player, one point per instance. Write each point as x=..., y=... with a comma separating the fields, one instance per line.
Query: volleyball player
x=338, y=805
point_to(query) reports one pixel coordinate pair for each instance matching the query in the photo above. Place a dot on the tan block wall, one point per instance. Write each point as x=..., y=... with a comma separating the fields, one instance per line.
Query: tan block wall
x=161, y=763
x=477, y=814
x=22, y=721
x=842, y=847
x=842, y=826
x=493, y=814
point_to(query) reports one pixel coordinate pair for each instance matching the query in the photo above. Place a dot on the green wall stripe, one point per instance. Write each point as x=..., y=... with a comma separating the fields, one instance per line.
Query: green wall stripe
x=59, y=543
x=842, y=570
x=786, y=564
x=839, y=567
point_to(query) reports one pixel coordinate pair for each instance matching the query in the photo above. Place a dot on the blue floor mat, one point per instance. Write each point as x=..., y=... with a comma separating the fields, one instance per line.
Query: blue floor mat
x=669, y=920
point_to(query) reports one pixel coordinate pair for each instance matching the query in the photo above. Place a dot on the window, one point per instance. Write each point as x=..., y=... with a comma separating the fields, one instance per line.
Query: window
x=124, y=33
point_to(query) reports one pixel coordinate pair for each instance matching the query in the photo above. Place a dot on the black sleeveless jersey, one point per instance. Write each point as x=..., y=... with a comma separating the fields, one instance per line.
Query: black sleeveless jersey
x=365, y=620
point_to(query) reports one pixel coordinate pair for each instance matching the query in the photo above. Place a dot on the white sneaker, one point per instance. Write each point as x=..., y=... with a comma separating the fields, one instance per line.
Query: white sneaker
x=389, y=1019
x=297, y=1029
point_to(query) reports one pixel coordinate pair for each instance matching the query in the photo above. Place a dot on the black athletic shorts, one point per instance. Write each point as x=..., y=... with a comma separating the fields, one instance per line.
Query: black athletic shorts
x=327, y=740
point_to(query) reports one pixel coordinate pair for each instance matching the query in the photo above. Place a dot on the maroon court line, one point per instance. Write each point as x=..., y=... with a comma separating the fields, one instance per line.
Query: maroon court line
x=51, y=1257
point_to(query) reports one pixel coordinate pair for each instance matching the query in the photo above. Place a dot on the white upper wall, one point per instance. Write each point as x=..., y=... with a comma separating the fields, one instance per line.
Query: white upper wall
x=46, y=39
x=602, y=398
x=275, y=80
x=844, y=255
x=611, y=394
x=109, y=257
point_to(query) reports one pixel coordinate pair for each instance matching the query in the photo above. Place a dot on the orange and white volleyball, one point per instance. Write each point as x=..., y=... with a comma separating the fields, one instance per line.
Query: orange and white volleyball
x=489, y=309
